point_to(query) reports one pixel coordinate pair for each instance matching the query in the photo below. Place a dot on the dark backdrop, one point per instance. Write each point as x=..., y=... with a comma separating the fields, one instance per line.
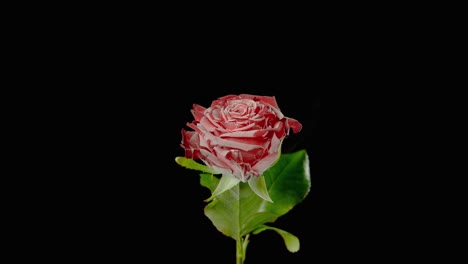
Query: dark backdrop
x=110, y=96
x=115, y=95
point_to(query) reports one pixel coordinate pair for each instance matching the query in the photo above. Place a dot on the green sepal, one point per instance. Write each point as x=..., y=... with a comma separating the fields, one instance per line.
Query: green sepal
x=193, y=165
x=258, y=186
x=209, y=181
x=225, y=183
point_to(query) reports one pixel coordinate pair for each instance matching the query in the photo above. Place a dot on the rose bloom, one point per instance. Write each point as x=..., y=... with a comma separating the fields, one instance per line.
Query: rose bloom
x=238, y=135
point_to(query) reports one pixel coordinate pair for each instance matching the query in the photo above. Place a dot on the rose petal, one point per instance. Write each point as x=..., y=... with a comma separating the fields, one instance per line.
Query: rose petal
x=208, y=124
x=239, y=135
x=249, y=134
x=294, y=124
x=198, y=111
x=271, y=100
x=217, y=141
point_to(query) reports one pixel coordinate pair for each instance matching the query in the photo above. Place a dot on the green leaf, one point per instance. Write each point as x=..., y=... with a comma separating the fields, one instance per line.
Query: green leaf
x=288, y=181
x=191, y=164
x=239, y=210
x=291, y=241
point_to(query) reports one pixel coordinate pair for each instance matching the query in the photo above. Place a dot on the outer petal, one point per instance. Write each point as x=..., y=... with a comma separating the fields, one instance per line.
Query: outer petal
x=198, y=111
x=217, y=141
x=208, y=124
x=191, y=144
x=294, y=124
x=266, y=162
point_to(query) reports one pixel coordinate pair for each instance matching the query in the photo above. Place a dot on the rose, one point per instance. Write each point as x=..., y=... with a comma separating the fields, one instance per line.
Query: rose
x=238, y=135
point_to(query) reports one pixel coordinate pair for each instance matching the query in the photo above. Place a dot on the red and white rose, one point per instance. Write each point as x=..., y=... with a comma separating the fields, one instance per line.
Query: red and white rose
x=238, y=135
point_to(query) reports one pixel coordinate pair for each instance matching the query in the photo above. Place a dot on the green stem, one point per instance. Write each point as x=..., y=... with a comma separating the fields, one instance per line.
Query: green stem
x=241, y=249
x=239, y=255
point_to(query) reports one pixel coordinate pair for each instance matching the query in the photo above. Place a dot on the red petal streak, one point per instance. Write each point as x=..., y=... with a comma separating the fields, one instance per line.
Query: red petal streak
x=275, y=144
x=198, y=111
x=191, y=144
x=294, y=124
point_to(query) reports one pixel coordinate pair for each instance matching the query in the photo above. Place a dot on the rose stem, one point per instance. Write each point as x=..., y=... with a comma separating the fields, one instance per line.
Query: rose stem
x=241, y=249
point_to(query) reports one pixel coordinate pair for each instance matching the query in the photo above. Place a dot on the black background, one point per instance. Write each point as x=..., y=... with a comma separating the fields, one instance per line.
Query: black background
x=104, y=98
x=98, y=97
